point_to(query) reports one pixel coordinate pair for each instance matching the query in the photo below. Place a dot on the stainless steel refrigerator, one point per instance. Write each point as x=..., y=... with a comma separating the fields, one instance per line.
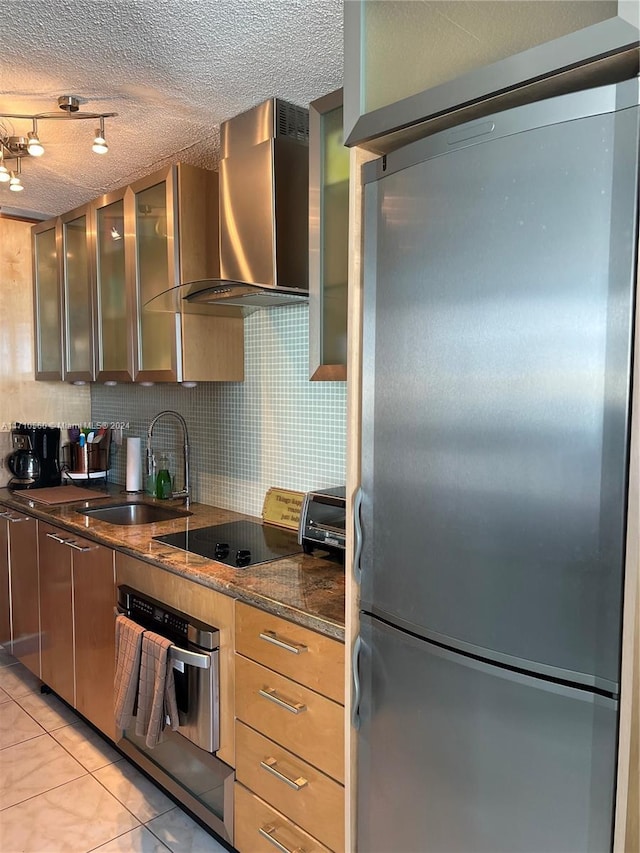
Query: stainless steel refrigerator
x=500, y=260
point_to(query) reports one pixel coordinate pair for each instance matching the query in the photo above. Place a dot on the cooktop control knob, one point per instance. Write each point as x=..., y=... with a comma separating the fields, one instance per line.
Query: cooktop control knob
x=243, y=557
x=221, y=550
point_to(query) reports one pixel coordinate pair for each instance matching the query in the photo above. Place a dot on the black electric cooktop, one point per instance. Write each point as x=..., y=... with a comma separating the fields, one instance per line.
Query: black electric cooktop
x=238, y=543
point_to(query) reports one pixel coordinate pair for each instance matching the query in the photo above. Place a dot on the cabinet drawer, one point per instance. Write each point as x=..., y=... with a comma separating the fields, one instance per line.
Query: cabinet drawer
x=308, y=724
x=312, y=800
x=260, y=829
x=306, y=656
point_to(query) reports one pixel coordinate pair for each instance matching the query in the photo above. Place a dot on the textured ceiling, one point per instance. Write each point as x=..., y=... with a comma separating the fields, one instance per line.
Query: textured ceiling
x=171, y=70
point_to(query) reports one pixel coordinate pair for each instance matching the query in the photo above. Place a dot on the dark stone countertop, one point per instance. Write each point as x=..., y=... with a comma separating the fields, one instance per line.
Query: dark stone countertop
x=305, y=589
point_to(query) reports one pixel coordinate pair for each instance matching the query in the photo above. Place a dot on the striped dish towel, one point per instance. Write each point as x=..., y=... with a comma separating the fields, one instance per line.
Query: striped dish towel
x=156, y=689
x=128, y=650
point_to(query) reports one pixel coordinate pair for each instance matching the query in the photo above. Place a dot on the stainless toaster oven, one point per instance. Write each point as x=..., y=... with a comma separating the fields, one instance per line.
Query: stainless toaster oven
x=322, y=520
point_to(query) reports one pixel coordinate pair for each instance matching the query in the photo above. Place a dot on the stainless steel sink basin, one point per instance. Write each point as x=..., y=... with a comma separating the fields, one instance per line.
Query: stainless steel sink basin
x=134, y=512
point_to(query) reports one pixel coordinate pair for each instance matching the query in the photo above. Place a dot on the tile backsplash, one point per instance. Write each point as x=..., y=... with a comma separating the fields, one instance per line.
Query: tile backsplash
x=274, y=429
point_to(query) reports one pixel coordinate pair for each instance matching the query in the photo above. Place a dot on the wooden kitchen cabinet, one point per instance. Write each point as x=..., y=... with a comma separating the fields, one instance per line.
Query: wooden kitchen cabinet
x=77, y=270
x=328, y=239
x=408, y=62
x=289, y=735
x=23, y=568
x=47, y=300
x=5, y=585
x=56, y=611
x=94, y=596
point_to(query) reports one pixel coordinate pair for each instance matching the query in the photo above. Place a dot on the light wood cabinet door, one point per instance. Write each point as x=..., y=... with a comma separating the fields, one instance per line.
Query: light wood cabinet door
x=311, y=799
x=5, y=589
x=303, y=655
x=94, y=601
x=306, y=723
x=258, y=828
x=23, y=562
x=47, y=300
x=56, y=611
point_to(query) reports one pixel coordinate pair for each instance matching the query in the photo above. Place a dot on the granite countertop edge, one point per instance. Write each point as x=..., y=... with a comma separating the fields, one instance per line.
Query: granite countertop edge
x=284, y=587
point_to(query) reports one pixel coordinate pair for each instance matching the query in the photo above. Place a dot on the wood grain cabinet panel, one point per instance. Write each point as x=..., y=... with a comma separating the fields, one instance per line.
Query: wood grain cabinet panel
x=310, y=798
x=258, y=828
x=303, y=655
x=5, y=587
x=56, y=612
x=304, y=722
x=94, y=622
x=23, y=567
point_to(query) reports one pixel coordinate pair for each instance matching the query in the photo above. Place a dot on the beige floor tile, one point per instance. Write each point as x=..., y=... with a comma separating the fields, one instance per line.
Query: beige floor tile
x=139, y=840
x=48, y=710
x=86, y=746
x=33, y=767
x=4, y=697
x=6, y=658
x=16, y=680
x=183, y=835
x=16, y=725
x=134, y=790
x=72, y=818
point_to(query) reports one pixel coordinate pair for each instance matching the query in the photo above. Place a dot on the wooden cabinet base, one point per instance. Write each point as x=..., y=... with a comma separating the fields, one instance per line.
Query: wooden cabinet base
x=261, y=829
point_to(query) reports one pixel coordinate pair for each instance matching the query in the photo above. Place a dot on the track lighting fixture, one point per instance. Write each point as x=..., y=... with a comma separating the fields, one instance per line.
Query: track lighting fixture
x=14, y=148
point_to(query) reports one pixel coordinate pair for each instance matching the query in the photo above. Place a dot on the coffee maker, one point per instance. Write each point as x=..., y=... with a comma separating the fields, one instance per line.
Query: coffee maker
x=34, y=461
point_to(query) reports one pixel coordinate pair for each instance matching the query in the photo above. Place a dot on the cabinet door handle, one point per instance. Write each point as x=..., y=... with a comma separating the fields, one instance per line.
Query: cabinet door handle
x=270, y=694
x=73, y=544
x=268, y=832
x=269, y=764
x=57, y=538
x=272, y=637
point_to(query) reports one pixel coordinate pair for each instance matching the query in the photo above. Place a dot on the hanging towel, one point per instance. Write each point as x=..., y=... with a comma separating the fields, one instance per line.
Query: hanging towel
x=156, y=689
x=128, y=649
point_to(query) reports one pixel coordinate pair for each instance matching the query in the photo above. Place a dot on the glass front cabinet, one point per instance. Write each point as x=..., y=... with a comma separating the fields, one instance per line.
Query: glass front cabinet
x=113, y=297
x=77, y=272
x=47, y=300
x=328, y=239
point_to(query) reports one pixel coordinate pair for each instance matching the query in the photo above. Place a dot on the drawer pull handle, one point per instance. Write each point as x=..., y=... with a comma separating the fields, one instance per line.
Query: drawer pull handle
x=272, y=637
x=14, y=518
x=270, y=694
x=268, y=832
x=57, y=538
x=73, y=544
x=270, y=763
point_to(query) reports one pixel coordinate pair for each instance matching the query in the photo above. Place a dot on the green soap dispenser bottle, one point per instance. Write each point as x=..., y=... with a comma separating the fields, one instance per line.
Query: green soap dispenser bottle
x=163, y=478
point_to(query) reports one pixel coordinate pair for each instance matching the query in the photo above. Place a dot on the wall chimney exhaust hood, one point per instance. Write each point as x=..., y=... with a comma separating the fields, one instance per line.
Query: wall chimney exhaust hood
x=263, y=209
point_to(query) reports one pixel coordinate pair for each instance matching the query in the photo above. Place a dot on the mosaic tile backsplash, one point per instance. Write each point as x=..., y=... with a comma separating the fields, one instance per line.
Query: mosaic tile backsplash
x=274, y=429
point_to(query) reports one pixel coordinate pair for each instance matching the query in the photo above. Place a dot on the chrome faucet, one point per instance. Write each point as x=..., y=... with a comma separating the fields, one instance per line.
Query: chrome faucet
x=184, y=493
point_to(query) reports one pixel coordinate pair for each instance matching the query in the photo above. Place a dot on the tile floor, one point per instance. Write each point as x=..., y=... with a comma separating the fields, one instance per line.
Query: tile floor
x=63, y=789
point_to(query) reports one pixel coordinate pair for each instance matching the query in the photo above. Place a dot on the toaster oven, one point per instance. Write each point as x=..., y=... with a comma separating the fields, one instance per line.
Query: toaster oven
x=322, y=520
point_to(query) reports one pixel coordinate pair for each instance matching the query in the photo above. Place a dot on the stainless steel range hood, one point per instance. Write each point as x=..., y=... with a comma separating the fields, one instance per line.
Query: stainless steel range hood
x=263, y=216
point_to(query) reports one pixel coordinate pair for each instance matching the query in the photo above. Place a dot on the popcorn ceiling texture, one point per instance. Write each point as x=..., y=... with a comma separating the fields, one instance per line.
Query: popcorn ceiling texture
x=274, y=429
x=172, y=71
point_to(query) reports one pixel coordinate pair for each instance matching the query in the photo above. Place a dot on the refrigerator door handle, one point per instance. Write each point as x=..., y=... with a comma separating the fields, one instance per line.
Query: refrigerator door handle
x=355, y=674
x=357, y=529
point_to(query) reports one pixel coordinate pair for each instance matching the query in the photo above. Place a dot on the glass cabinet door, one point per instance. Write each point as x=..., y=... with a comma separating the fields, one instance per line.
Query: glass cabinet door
x=153, y=228
x=328, y=239
x=47, y=301
x=114, y=334
x=77, y=284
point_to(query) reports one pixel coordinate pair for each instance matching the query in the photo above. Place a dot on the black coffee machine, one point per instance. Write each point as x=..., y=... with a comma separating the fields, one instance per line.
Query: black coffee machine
x=34, y=461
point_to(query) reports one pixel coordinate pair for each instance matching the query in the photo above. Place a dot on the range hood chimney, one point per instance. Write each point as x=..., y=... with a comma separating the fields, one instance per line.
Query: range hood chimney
x=263, y=216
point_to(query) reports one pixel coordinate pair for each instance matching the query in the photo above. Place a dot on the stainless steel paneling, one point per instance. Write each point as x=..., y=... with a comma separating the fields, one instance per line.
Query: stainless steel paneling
x=497, y=324
x=458, y=756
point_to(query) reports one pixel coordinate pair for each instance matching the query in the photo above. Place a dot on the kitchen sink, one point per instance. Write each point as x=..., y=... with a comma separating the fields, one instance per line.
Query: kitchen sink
x=134, y=512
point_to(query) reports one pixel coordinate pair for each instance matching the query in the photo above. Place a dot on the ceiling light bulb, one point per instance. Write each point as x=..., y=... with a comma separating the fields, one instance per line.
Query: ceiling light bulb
x=34, y=147
x=100, y=143
x=5, y=175
x=15, y=183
